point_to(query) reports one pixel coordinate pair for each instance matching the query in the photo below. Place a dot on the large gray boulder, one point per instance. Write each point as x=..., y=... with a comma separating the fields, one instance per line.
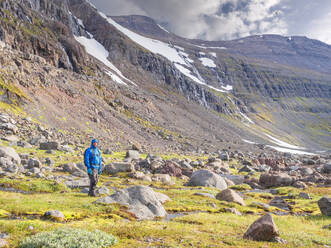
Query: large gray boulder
x=142, y=201
x=208, y=179
x=132, y=154
x=275, y=180
x=114, y=168
x=263, y=229
x=325, y=205
x=9, y=152
x=73, y=169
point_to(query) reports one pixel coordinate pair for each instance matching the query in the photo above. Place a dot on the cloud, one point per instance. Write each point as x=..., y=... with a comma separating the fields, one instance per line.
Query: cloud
x=230, y=19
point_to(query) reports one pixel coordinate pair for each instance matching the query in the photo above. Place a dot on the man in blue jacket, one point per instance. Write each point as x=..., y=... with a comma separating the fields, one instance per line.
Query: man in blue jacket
x=93, y=162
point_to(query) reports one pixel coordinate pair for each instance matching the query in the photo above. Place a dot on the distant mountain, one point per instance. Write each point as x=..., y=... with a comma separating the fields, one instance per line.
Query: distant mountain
x=130, y=80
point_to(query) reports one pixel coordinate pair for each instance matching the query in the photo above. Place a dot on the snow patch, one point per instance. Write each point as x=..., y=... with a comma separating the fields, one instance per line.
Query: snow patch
x=179, y=48
x=115, y=78
x=282, y=143
x=202, y=53
x=163, y=28
x=155, y=46
x=213, y=54
x=248, y=141
x=208, y=62
x=97, y=50
x=292, y=151
x=187, y=73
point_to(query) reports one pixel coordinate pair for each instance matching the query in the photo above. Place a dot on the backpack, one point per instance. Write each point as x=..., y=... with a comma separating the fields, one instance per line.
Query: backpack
x=85, y=156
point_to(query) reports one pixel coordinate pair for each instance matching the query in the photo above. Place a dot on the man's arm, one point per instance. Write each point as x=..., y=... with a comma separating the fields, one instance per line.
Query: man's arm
x=87, y=159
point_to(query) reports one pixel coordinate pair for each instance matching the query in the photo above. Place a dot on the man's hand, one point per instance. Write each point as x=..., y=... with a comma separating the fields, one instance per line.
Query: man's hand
x=89, y=171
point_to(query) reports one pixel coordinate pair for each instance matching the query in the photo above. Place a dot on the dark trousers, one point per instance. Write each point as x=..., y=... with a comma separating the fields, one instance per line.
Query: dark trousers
x=94, y=178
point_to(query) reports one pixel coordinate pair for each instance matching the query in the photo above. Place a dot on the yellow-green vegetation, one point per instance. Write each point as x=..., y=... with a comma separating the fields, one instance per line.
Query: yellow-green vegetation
x=203, y=222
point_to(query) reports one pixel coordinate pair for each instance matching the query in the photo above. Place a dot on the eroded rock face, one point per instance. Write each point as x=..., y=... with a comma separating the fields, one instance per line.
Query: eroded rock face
x=208, y=179
x=275, y=180
x=325, y=205
x=142, y=201
x=263, y=229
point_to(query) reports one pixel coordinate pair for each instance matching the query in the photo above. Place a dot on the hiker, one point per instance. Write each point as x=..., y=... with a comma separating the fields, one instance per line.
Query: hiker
x=92, y=160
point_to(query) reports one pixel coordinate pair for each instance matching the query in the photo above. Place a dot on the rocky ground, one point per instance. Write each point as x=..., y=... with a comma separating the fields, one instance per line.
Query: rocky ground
x=228, y=198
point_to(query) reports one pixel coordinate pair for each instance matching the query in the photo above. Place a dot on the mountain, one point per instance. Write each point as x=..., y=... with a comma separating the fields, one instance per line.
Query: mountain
x=127, y=79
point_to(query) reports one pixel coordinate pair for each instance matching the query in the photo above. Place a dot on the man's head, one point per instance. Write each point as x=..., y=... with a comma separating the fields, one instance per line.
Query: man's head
x=95, y=142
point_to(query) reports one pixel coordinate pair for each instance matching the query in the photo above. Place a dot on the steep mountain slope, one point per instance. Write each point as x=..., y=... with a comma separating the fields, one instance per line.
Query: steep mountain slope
x=165, y=94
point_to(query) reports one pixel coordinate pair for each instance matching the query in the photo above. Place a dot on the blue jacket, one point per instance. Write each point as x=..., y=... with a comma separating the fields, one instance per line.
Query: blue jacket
x=93, y=162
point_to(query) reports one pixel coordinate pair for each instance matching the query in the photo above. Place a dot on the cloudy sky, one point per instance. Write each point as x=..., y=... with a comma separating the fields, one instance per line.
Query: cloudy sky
x=230, y=19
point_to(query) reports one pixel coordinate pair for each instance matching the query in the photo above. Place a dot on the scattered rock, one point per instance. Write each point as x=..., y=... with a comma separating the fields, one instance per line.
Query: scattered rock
x=304, y=195
x=164, y=178
x=142, y=201
x=102, y=191
x=114, y=168
x=233, y=211
x=52, y=145
x=208, y=179
x=9, y=152
x=263, y=229
x=140, y=176
x=205, y=195
x=327, y=168
x=230, y=195
x=325, y=205
x=279, y=202
x=81, y=183
x=275, y=180
x=34, y=163
x=54, y=215
x=224, y=156
x=132, y=154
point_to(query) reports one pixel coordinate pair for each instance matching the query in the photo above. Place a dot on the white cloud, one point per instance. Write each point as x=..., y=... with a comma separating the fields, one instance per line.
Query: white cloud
x=229, y=19
x=320, y=29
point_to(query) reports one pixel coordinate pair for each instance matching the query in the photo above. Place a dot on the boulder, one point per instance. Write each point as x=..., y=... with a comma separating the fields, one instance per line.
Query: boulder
x=54, y=215
x=10, y=127
x=224, y=156
x=8, y=165
x=52, y=145
x=275, y=180
x=327, y=168
x=114, y=168
x=230, y=195
x=80, y=183
x=172, y=169
x=9, y=152
x=140, y=176
x=141, y=201
x=263, y=229
x=232, y=211
x=164, y=178
x=34, y=163
x=208, y=179
x=132, y=154
x=325, y=205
